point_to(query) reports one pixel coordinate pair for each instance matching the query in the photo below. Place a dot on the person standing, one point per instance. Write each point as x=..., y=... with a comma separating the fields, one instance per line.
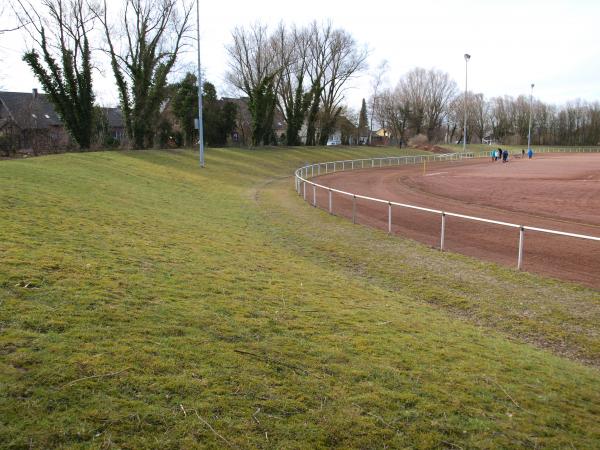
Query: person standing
x=523, y=154
x=529, y=153
x=505, y=156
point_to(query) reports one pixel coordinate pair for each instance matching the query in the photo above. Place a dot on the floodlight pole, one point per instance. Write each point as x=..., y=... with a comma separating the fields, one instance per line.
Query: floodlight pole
x=530, y=115
x=200, y=125
x=467, y=57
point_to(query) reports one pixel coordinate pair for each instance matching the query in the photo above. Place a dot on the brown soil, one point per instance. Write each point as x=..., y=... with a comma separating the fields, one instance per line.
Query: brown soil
x=559, y=192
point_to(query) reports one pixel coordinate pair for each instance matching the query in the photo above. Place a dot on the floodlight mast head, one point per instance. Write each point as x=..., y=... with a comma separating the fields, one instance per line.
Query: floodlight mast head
x=532, y=85
x=467, y=57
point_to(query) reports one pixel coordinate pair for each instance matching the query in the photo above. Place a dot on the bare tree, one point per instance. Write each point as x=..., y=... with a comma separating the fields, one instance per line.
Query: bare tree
x=254, y=69
x=143, y=48
x=440, y=90
x=413, y=88
x=393, y=113
x=377, y=83
x=481, y=116
x=294, y=95
x=337, y=59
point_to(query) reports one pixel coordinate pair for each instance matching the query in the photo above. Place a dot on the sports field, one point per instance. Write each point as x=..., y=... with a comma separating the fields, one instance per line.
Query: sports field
x=145, y=303
x=554, y=191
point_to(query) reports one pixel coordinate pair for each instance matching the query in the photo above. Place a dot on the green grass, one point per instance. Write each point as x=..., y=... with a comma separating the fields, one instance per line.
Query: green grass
x=145, y=303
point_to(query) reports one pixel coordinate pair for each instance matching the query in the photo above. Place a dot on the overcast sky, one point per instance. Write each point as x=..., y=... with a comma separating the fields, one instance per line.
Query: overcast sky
x=513, y=43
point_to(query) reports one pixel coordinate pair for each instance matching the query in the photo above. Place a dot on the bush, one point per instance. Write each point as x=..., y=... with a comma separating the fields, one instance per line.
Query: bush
x=419, y=139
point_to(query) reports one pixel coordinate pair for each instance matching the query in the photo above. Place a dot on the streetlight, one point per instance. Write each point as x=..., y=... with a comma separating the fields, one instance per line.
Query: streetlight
x=200, y=126
x=530, y=114
x=467, y=57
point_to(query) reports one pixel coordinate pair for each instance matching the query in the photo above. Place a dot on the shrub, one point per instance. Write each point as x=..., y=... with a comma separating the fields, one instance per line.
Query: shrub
x=419, y=139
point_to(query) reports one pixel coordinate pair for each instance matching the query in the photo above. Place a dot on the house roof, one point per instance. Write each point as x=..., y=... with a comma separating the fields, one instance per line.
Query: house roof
x=29, y=110
x=114, y=117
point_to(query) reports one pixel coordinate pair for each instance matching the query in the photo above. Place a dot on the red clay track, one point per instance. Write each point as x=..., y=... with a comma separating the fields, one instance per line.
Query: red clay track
x=559, y=192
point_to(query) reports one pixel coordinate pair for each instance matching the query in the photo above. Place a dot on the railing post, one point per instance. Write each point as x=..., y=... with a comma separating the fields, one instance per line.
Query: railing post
x=389, y=217
x=319, y=169
x=304, y=188
x=363, y=164
x=352, y=164
x=353, y=208
x=314, y=195
x=330, y=202
x=521, y=243
x=443, y=232
x=326, y=166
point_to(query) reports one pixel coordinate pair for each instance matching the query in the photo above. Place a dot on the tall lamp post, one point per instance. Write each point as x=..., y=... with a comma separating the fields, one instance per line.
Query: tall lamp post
x=200, y=125
x=467, y=57
x=530, y=114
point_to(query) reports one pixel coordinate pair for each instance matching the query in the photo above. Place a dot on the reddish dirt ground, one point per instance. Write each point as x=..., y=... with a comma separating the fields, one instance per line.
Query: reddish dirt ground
x=559, y=192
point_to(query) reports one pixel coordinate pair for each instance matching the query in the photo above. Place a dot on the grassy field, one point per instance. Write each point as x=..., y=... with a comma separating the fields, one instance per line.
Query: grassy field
x=488, y=148
x=145, y=303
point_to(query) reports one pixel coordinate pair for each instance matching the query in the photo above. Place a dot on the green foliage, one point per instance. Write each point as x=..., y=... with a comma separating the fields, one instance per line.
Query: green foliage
x=185, y=106
x=219, y=117
x=141, y=72
x=68, y=85
x=142, y=299
x=363, y=120
x=262, y=104
x=313, y=114
x=296, y=113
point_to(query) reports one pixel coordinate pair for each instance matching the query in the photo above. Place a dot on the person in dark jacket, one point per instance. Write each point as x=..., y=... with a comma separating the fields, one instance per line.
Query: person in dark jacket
x=505, y=156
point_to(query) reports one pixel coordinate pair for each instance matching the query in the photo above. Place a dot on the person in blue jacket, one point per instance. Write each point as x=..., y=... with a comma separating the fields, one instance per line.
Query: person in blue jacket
x=505, y=156
x=530, y=153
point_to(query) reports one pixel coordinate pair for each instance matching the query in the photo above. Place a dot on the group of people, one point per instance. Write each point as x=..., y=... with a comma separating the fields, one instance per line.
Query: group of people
x=500, y=154
x=503, y=154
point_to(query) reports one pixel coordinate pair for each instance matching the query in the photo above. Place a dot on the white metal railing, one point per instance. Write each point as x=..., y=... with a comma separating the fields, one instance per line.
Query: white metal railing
x=303, y=174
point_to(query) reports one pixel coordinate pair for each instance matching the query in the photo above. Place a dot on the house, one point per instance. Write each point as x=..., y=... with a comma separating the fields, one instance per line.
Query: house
x=116, y=124
x=380, y=137
x=30, y=124
x=242, y=135
x=29, y=121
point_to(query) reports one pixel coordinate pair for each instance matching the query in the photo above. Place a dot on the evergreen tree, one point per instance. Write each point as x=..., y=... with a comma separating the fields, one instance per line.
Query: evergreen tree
x=363, y=121
x=219, y=117
x=185, y=106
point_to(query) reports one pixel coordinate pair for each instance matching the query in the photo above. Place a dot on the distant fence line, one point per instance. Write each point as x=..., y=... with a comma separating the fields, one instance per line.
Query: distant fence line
x=303, y=174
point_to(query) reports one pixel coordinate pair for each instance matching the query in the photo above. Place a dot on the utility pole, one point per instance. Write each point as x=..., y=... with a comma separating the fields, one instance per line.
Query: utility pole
x=530, y=114
x=467, y=57
x=200, y=125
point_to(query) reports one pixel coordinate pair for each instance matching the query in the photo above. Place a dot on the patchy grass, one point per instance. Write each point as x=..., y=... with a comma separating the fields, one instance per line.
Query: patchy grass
x=458, y=148
x=145, y=303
